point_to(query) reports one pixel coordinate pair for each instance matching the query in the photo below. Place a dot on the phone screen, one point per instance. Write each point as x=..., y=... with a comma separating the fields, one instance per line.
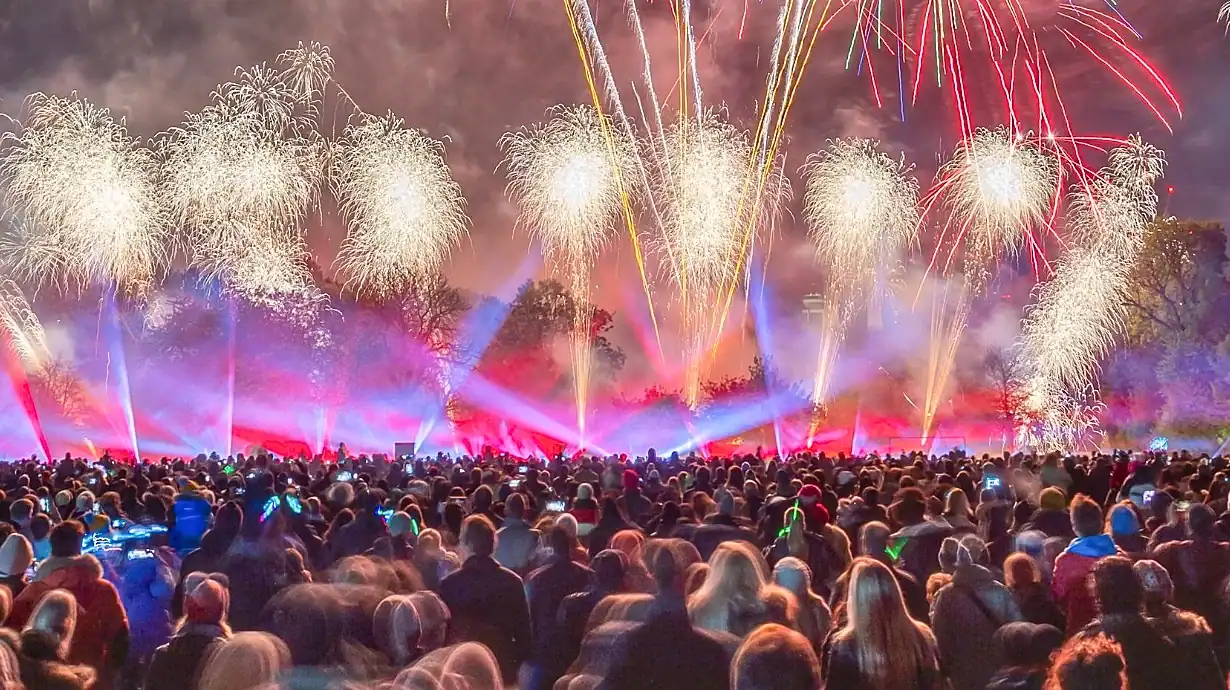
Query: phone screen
x=45, y=503
x=556, y=506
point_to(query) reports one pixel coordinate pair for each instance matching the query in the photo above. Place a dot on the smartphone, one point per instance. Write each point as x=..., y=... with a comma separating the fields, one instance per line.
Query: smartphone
x=345, y=476
x=228, y=470
x=140, y=554
x=384, y=514
x=45, y=502
x=290, y=481
x=514, y=484
x=993, y=482
x=1182, y=506
x=1148, y=497
x=523, y=469
x=557, y=506
x=296, y=507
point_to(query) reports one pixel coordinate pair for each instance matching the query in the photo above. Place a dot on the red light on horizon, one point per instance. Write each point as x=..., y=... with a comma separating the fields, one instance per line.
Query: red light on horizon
x=1170, y=189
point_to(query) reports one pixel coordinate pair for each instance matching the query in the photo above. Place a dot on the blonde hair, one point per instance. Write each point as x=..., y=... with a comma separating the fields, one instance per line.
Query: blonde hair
x=735, y=584
x=890, y=647
x=957, y=503
x=56, y=615
x=247, y=661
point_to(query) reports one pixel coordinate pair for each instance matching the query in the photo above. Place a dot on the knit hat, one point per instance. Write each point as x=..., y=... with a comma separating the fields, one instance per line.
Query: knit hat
x=85, y=501
x=1155, y=580
x=1123, y=521
x=207, y=603
x=1052, y=499
x=15, y=555
x=631, y=479
x=400, y=524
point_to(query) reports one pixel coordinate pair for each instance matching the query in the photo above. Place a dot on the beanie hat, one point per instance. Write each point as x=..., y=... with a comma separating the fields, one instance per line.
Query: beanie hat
x=85, y=501
x=207, y=602
x=1154, y=579
x=631, y=479
x=16, y=555
x=1052, y=499
x=1123, y=521
x=64, y=498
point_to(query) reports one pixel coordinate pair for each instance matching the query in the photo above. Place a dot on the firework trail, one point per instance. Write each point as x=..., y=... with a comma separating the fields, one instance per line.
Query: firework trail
x=84, y=199
x=567, y=177
x=1079, y=313
x=1223, y=15
x=861, y=207
x=714, y=208
x=22, y=329
x=972, y=46
x=403, y=209
x=241, y=175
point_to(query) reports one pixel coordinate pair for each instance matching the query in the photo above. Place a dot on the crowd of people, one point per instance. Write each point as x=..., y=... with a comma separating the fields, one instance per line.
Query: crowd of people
x=1014, y=572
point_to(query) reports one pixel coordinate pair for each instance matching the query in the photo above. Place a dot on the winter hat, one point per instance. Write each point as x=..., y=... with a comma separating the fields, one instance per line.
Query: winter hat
x=1123, y=521
x=400, y=524
x=1027, y=644
x=726, y=503
x=16, y=555
x=1155, y=580
x=631, y=479
x=64, y=498
x=585, y=492
x=1053, y=499
x=208, y=602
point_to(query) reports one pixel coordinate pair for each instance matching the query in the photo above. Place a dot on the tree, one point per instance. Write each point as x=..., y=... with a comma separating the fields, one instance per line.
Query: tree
x=1003, y=374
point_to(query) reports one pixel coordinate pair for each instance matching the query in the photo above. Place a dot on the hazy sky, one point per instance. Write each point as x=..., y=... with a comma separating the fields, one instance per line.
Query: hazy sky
x=497, y=66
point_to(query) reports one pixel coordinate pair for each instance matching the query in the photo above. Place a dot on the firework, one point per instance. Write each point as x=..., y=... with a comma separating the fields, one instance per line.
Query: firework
x=241, y=175
x=567, y=178
x=403, y=209
x=861, y=208
x=998, y=187
x=85, y=199
x=1223, y=15
x=22, y=328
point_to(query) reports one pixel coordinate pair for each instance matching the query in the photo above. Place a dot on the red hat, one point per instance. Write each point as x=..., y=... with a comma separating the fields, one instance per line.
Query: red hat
x=207, y=603
x=810, y=492
x=631, y=479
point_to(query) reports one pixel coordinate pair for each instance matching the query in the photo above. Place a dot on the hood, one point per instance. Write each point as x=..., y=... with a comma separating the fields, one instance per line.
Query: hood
x=924, y=527
x=68, y=572
x=1097, y=546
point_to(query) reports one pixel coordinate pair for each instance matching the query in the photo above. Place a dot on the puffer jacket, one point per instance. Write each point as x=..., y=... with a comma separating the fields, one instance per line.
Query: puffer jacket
x=965, y=614
x=1069, y=584
x=1193, y=639
x=146, y=590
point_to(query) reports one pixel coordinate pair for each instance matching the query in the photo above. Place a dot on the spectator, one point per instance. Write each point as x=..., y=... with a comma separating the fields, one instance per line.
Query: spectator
x=585, y=510
x=1073, y=566
x=177, y=664
x=610, y=523
x=958, y=514
x=517, y=540
x=1197, y=565
x=207, y=557
x=546, y=589
x=146, y=589
x=607, y=577
x=397, y=629
x=880, y=647
x=432, y=561
x=919, y=537
x=735, y=597
x=1124, y=528
x=826, y=552
x=16, y=555
x=965, y=614
x=247, y=661
x=100, y=635
x=1052, y=516
x=40, y=530
x=1088, y=663
x=1055, y=475
x=487, y=601
x=775, y=658
x=1033, y=597
x=814, y=619
x=46, y=645
x=1190, y=633
x=1025, y=650
x=632, y=502
x=874, y=543
x=721, y=527
x=1147, y=653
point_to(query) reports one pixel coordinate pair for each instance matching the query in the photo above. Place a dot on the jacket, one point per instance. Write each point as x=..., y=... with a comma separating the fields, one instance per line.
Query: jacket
x=1193, y=639
x=708, y=537
x=205, y=559
x=101, y=620
x=920, y=556
x=666, y=652
x=842, y=672
x=515, y=544
x=146, y=591
x=546, y=589
x=1052, y=523
x=42, y=668
x=1148, y=654
x=1069, y=584
x=176, y=664
x=1038, y=607
x=915, y=594
x=965, y=614
x=489, y=606
x=634, y=504
x=1198, y=568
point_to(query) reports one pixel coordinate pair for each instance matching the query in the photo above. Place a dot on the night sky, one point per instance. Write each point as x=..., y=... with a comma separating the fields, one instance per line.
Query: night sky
x=499, y=66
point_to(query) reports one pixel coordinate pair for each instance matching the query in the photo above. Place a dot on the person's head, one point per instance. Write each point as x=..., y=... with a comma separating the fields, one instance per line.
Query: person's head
x=1088, y=663
x=609, y=568
x=1116, y=587
x=85, y=502
x=1086, y=517
x=56, y=617
x=206, y=601
x=585, y=492
x=477, y=536
x=1200, y=521
x=560, y=541
x=948, y=554
x=247, y=661
x=397, y=628
x=1021, y=570
x=736, y=574
x=888, y=645
x=873, y=539
x=40, y=527
x=21, y=511
x=567, y=523
x=1052, y=498
x=16, y=555
x=66, y=539
x=957, y=504
x=774, y=657
x=514, y=507
x=794, y=575
x=1155, y=582
x=1027, y=645
x=1121, y=521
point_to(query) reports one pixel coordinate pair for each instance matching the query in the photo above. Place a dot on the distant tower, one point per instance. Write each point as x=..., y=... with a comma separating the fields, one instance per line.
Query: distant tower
x=813, y=308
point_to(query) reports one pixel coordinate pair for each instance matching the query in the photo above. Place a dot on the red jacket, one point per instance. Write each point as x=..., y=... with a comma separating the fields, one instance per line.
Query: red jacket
x=100, y=615
x=1070, y=582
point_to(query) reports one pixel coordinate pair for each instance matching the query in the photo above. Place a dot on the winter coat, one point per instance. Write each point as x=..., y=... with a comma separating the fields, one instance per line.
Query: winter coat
x=708, y=537
x=1198, y=568
x=1069, y=583
x=920, y=556
x=666, y=652
x=1037, y=605
x=828, y=556
x=1148, y=654
x=146, y=591
x=43, y=669
x=966, y=613
x=634, y=504
x=1193, y=639
x=176, y=664
x=488, y=605
x=842, y=672
x=515, y=545
x=1052, y=523
x=546, y=589
x=101, y=620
